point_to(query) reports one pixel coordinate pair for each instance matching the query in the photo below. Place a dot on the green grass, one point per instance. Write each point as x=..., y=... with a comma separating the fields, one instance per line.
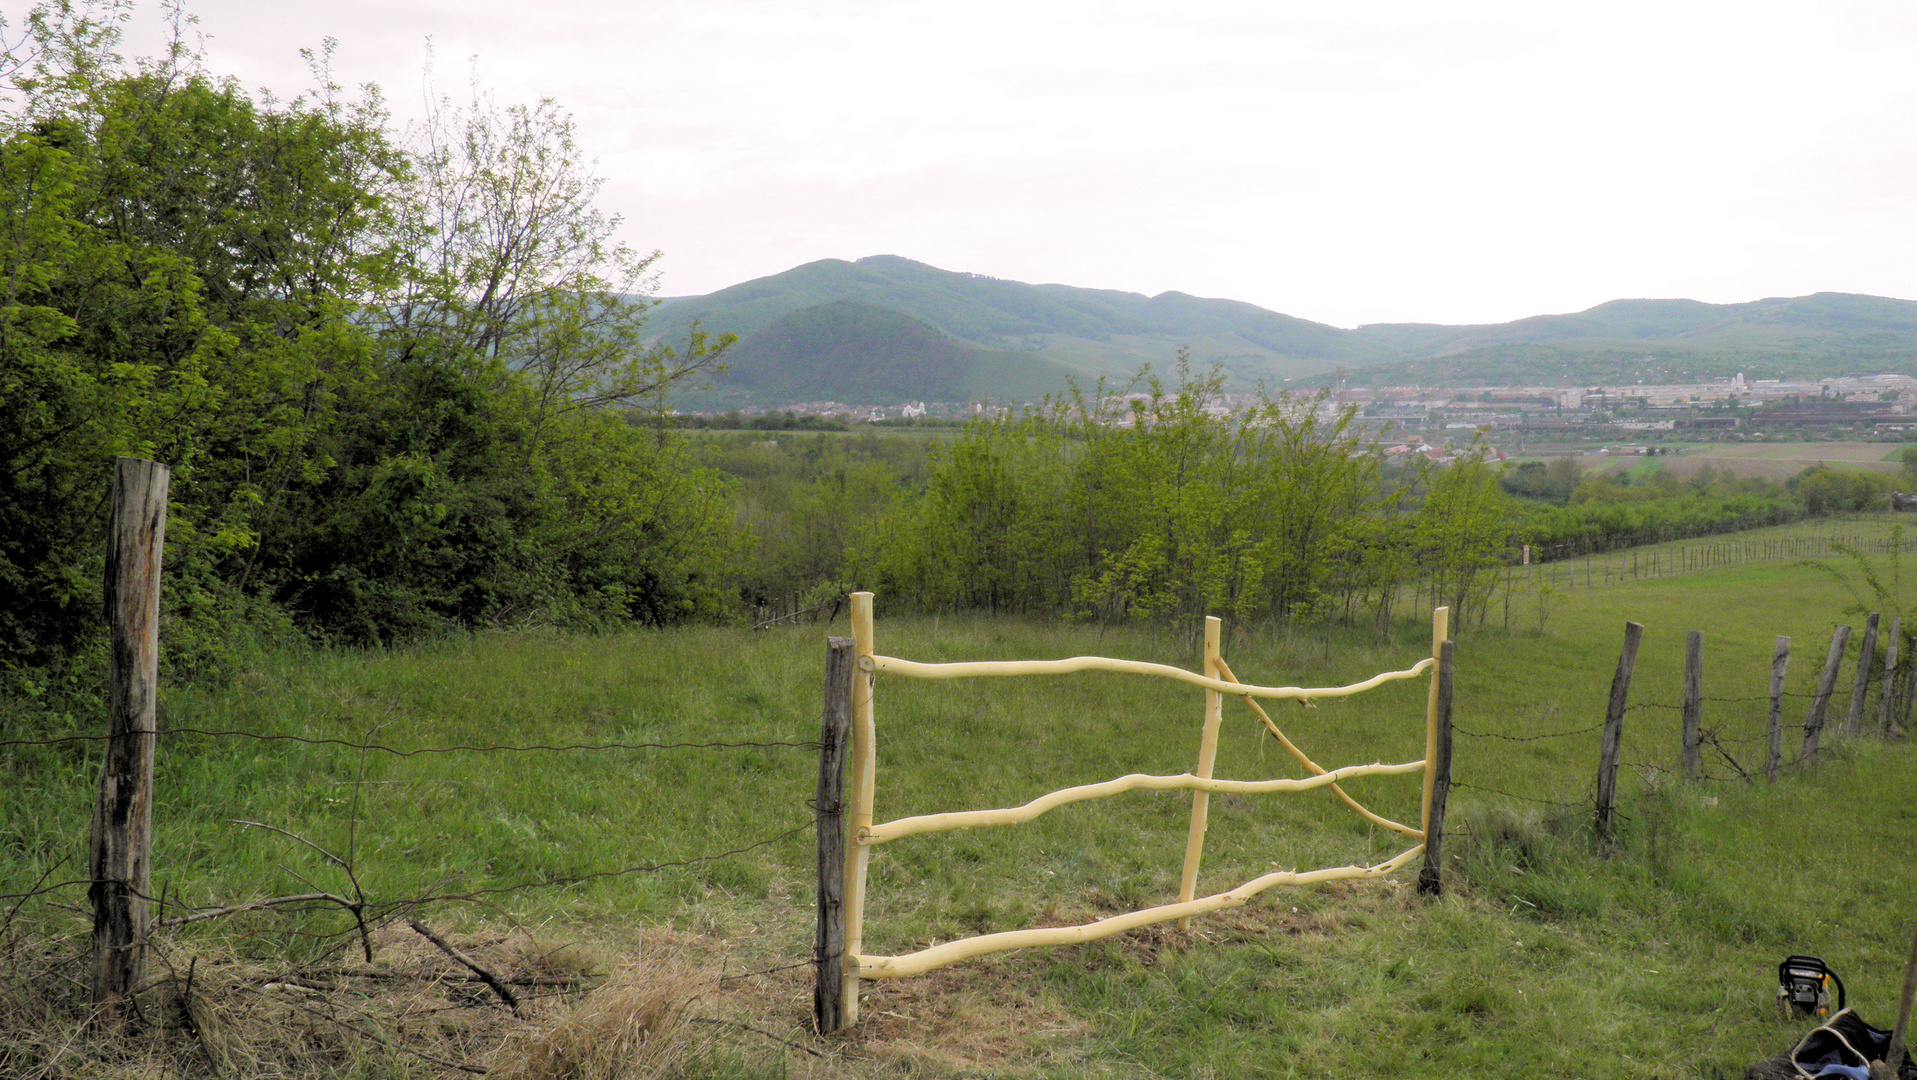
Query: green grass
x=1542, y=960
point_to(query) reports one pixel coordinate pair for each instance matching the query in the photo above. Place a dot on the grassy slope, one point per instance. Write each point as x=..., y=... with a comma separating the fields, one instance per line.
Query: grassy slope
x=1543, y=961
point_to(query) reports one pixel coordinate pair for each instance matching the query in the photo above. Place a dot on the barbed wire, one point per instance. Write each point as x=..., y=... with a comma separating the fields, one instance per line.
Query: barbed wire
x=1523, y=738
x=317, y=901
x=352, y=744
x=1457, y=784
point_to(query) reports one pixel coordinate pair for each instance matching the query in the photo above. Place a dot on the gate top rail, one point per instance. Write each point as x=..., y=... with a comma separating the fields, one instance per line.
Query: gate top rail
x=892, y=665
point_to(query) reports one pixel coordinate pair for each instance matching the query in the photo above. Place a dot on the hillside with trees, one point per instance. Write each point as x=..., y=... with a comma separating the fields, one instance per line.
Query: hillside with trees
x=864, y=354
x=1088, y=333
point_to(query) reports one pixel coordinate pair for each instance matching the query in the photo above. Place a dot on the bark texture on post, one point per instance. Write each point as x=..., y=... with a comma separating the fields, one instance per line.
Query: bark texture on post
x=1779, y=662
x=120, y=860
x=1887, y=696
x=1614, y=730
x=1693, y=704
x=1814, y=723
x=828, y=952
x=1860, y=690
x=1900, y=1031
x=1431, y=878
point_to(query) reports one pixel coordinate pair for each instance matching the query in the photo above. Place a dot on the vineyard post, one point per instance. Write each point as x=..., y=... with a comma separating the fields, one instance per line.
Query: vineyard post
x=1438, y=767
x=1614, y=730
x=828, y=992
x=1779, y=661
x=1693, y=703
x=1814, y=723
x=120, y=861
x=1860, y=690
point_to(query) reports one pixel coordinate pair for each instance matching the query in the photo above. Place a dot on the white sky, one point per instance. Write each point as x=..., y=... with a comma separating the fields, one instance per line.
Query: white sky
x=1345, y=162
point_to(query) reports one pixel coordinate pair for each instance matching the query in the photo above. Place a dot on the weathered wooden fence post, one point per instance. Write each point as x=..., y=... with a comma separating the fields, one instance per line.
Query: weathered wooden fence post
x=1894, y=1056
x=1693, y=704
x=1814, y=723
x=1860, y=689
x=120, y=861
x=1779, y=661
x=1887, y=696
x=828, y=951
x=1431, y=878
x=1614, y=730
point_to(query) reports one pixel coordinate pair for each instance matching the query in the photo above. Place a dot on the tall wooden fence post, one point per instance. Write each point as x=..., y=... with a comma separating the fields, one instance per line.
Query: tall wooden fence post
x=1440, y=633
x=863, y=769
x=1779, y=662
x=1693, y=704
x=1431, y=878
x=1887, y=697
x=1814, y=723
x=828, y=953
x=1614, y=731
x=1860, y=689
x=120, y=860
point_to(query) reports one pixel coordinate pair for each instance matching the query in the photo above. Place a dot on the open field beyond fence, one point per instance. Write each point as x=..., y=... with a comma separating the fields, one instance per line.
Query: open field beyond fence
x=601, y=812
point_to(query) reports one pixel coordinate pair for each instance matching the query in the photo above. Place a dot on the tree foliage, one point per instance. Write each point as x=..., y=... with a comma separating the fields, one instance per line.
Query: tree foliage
x=379, y=367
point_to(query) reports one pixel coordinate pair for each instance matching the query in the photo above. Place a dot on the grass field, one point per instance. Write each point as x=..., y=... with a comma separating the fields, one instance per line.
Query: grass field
x=1543, y=959
x=1770, y=461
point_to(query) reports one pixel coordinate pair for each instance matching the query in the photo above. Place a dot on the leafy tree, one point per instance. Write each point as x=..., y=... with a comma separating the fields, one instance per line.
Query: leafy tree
x=384, y=376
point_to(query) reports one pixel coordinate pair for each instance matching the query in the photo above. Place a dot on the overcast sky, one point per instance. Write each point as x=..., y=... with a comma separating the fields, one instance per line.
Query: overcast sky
x=1429, y=161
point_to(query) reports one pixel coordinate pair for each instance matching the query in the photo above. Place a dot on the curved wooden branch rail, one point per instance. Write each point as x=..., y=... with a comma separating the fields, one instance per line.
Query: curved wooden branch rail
x=892, y=967
x=968, y=819
x=1375, y=819
x=892, y=665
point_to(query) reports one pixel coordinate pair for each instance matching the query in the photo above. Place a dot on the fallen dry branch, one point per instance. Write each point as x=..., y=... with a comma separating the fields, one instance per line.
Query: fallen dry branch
x=505, y=993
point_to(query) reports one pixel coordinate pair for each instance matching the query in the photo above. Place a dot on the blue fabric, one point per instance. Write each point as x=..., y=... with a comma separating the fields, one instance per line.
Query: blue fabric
x=1851, y=1071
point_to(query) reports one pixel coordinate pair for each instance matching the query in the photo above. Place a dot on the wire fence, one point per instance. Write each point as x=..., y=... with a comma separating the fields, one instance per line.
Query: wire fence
x=172, y=912
x=1733, y=741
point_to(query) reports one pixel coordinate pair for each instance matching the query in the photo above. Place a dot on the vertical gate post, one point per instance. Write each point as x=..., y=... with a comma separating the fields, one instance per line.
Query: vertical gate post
x=120, y=858
x=864, y=765
x=1440, y=633
x=1814, y=723
x=1693, y=704
x=1778, y=663
x=1207, y=757
x=1860, y=689
x=1431, y=878
x=1614, y=730
x=828, y=992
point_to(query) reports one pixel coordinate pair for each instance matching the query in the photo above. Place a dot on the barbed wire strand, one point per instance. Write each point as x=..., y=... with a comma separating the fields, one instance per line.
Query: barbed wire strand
x=456, y=749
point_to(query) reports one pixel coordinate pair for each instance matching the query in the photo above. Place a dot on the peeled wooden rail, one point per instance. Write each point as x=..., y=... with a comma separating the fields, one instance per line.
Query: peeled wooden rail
x=1018, y=815
x=971, y=669
x=845, y=857
x=893, y=967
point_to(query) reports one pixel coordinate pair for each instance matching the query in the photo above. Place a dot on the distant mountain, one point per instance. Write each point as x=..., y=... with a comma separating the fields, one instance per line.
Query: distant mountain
x=863, y=354
x=887, y=329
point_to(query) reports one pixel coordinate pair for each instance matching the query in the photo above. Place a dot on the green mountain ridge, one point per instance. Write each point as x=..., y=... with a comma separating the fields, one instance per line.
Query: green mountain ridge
x=886, y=329
x=859, y=353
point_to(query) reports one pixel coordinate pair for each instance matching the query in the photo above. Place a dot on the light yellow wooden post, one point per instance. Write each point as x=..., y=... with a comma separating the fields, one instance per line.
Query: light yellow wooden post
x=858, y=798
x=1440, y=630
x=1207, y=754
